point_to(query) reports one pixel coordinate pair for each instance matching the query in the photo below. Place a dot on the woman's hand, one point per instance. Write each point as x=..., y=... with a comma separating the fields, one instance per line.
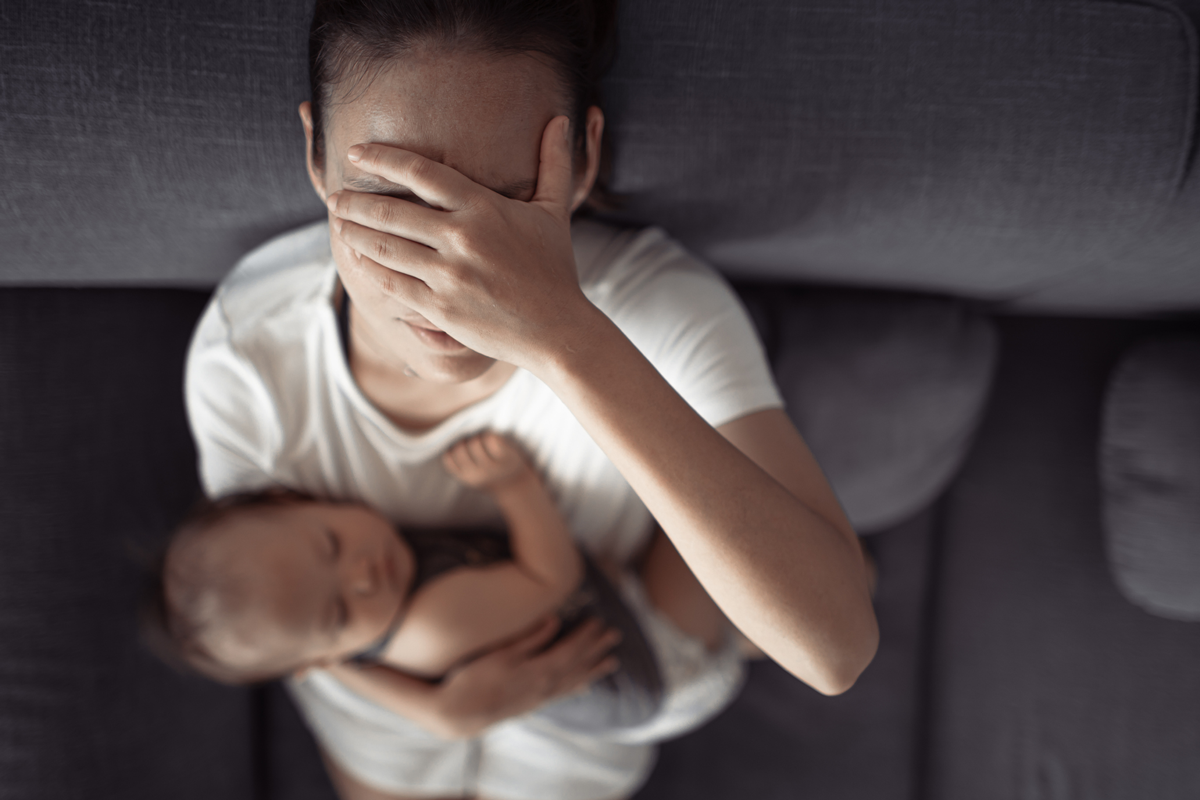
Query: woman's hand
x=517, y=678
x=509, y=681
x=496, y=274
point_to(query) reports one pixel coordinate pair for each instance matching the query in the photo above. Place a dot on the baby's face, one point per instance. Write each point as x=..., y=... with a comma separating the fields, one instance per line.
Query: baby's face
x=320, y=581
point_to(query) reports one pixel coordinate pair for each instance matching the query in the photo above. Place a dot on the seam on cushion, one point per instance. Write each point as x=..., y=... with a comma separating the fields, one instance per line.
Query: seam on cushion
x=1187, y=148
x=1188, y=31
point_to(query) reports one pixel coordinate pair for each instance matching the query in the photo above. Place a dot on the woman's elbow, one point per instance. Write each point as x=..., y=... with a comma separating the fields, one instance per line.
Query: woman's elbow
x=853, y=658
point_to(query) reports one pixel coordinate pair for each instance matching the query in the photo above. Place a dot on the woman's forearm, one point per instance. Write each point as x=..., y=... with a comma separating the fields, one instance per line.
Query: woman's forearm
x=510, y=680
x=790, y=575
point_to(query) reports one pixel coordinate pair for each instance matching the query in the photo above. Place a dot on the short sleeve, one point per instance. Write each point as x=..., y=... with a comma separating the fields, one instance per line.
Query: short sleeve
x=690, y=325
x=233, y=422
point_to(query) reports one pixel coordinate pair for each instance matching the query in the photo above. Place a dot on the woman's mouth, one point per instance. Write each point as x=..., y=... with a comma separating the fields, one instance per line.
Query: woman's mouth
x=434, y=339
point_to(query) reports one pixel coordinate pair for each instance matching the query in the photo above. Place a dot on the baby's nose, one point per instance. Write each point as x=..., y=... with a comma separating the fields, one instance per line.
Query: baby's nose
x=365, y=578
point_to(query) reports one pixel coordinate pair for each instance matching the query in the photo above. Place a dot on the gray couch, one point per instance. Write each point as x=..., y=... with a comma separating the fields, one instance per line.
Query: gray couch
x=966, y=231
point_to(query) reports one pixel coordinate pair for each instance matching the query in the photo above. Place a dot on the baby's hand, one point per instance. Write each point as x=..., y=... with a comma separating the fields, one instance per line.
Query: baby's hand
x=486, y=461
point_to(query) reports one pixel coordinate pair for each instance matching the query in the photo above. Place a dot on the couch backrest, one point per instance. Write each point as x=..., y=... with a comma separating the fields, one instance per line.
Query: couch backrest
x=1003, y=149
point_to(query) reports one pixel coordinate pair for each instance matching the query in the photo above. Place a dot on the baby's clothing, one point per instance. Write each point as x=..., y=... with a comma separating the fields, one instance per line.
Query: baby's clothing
x=617, y=702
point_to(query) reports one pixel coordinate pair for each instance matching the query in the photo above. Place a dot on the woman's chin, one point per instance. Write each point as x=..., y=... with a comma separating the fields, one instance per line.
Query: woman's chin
x=459, y=366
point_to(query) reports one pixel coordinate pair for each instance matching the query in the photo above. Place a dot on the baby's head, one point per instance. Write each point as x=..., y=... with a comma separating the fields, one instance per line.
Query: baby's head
x=258, y=586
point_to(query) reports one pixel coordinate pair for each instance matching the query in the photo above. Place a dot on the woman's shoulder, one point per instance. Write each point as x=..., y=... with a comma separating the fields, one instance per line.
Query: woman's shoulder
x=250, y=346
x=631, y=271
x=280, y=277
x=606, y=250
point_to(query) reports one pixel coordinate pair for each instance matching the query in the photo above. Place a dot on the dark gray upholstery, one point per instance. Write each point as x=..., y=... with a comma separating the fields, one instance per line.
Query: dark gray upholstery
x=1150, y=471
x=781, y=740
x=293, y=768
x=1035, y=152
x=148, y=143
x=887, y=391
x=982, y=148
x=1046, y=682
x=96, y=464
x=1022, y=150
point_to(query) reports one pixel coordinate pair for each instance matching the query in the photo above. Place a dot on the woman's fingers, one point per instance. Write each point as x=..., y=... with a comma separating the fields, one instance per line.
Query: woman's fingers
x=581, y=650
x=403, y=218
x=605, y=667
x=411, y=291
x=394, y=252
x=600, y=645
x=537, y=638
x=442, y=187
x=555, y=184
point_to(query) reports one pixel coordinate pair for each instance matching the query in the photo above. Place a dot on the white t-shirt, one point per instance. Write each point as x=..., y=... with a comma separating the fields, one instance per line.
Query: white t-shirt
x=271, y=399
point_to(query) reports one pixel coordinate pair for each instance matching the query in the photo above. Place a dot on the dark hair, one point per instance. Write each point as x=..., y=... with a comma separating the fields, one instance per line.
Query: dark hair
x=174, y=630
x=353, y=36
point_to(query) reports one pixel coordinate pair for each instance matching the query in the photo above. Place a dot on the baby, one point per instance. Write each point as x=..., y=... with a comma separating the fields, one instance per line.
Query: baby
x=266, y=585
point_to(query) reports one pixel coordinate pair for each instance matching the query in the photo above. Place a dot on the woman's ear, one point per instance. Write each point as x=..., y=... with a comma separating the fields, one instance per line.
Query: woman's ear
x=315, y=174
x=593, y=135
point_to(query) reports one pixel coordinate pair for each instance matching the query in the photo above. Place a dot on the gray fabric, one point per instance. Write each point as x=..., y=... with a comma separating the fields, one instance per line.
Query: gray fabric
x=95, y=459
x=1150, y=470
x=887, y=392
x=293, y=768
x=781, y=740
x=1046, y=682
x=982, y=148
x=148, y=142
x=1014, y=149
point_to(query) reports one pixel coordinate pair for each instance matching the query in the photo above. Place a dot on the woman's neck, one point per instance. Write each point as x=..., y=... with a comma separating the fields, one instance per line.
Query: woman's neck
x=408, y=400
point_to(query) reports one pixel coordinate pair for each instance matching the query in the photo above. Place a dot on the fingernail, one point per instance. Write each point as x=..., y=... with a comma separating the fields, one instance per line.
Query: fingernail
x=567, y=131
x=355, y=153
x=337, y=224
x=332, y=202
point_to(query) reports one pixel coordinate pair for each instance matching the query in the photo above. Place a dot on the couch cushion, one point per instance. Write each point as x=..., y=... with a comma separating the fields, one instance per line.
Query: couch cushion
x=996, y=148
x=95, y=459
x=887, y=391
x=1150, y=469
x=990, y=148
x=149, y=143
x=781, y=740
x=1046, y=683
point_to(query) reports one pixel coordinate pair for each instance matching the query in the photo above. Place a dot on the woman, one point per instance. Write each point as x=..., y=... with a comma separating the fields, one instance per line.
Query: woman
x=452, y=142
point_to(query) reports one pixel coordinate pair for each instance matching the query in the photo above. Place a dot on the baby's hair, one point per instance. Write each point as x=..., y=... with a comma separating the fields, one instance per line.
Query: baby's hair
x=173, y=618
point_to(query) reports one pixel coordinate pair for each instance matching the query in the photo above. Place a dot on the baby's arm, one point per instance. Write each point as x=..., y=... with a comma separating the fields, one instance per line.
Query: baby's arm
x=508, y=681
x=467, y=611
x=541, y=544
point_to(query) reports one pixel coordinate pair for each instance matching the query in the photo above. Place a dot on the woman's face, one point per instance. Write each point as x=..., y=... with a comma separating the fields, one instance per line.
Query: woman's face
x=318, y=582
x=481, y=114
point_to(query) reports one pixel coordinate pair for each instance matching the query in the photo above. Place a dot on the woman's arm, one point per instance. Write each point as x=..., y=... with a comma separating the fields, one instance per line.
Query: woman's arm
x=749, y=511
x=509, y=681
x=747, y=507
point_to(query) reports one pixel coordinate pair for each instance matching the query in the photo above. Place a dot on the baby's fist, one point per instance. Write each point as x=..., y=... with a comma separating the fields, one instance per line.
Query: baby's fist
x=486, y=461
